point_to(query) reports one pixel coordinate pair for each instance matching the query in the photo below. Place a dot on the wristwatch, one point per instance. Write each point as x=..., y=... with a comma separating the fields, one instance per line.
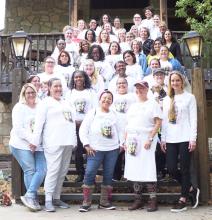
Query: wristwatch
x=150, y=139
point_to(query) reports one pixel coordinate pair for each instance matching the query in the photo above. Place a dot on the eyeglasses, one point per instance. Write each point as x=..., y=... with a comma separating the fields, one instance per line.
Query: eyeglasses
x=30, y=93
x=50, y=62
x=121, y=83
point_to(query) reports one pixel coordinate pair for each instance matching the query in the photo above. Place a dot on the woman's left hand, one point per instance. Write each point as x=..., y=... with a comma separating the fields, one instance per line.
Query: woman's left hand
x=32, y=147
x=147, y=145
x=192, y=146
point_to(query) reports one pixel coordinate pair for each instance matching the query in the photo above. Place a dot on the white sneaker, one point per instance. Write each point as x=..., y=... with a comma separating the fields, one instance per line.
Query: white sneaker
x=29, y=203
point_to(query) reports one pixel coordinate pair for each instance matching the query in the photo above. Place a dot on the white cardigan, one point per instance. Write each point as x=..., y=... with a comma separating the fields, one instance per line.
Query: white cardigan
x=185, y=128
x=55, y=122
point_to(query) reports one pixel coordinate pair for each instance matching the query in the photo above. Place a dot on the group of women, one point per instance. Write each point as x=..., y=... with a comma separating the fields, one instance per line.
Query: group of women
x=65, y=109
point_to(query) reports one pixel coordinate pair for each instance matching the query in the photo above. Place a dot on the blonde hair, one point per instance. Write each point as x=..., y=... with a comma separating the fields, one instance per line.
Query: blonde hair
x=94, y=76
x=22, y=98
x=171, y=93
x=67, y=27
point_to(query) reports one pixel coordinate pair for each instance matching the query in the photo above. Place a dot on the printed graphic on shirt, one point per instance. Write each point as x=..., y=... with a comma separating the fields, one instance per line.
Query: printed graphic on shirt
x=121, y=106
x=132, y=146
x=106, y=129
x=176, y=112
x=32, y=124
x=80, y=106
x=68, y=116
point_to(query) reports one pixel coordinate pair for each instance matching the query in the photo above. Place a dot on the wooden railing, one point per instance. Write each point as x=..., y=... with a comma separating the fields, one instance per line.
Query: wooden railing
x=43, y=45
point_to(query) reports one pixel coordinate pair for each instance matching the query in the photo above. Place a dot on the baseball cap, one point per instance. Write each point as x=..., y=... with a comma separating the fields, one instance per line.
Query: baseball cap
x=159, y=70
x=142, y=83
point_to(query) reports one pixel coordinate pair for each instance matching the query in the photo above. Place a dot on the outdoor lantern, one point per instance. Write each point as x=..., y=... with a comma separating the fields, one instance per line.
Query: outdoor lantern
x=194, y=44
x=20, y=44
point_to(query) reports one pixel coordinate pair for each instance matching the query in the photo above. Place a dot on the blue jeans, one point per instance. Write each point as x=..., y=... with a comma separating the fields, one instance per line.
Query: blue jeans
x=34, y=168
x=108, y=159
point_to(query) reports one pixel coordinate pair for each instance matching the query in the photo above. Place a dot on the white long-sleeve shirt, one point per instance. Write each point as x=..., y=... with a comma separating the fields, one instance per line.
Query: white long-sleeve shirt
x=101, y=130
x=55, y=122
x=135, y=71
x=185, y=128
x=23, y=118
x=81, y=101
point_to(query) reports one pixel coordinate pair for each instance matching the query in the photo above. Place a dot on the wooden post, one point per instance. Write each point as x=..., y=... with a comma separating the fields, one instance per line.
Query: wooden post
x=17, y=177
x=163, y=11
x=73, y=10
x=202, y=152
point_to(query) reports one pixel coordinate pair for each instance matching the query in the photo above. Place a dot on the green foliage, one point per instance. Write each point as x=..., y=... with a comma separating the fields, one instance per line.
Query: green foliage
x=198, y=15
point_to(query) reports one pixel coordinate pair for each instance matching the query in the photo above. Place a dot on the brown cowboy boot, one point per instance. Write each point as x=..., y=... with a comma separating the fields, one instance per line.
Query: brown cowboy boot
x=137, y=204
x=106, y=198
x=152, y=205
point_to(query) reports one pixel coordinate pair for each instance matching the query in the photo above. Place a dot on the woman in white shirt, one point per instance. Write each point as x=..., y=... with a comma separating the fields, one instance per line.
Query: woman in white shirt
x=81, y=98
x=84, y=47
x=30, y=158
x=100, y=135
x=143, y=123
x=64, y=67
x=97, y=82
x=114, y=54
x=49, y=65
x=55, y=124
x=122, y=102
x=122, y=40
x=104, y=40
x=97, y=55
x=179, y=133
x=133, y=69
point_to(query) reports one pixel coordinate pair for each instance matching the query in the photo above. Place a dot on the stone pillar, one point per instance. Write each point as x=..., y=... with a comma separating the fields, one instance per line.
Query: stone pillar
x=5, y=127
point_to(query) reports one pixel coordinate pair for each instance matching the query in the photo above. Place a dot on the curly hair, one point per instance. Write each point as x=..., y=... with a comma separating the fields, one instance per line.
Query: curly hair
x=101, y=52
x=87, y=82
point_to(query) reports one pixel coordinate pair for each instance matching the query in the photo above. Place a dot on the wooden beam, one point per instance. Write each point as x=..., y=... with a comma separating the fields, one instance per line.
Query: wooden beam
x=17, y=178
x=73, y=10
x=202, y=151
x=163, y=11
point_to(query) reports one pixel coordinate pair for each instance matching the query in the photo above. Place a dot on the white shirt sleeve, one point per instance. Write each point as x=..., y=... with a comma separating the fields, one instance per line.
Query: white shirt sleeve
x=85, y=127
x=193, y=118
x=18, y=115
x=164, y=121
x=40, y=119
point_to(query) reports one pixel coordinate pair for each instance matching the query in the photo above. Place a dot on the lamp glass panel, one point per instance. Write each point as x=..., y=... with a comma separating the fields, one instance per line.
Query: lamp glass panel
x=18, y=44
x=27, y=44
x=194, y=46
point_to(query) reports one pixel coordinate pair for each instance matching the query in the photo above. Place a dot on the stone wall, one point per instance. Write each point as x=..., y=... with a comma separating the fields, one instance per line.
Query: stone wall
x=40, y=16
x=44, y=16
x=5, y=127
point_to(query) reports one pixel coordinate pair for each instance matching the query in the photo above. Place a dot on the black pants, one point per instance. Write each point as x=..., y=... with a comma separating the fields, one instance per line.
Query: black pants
x=160, y=159
x=179, y=151
x=80, y=150
x=118, y=170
